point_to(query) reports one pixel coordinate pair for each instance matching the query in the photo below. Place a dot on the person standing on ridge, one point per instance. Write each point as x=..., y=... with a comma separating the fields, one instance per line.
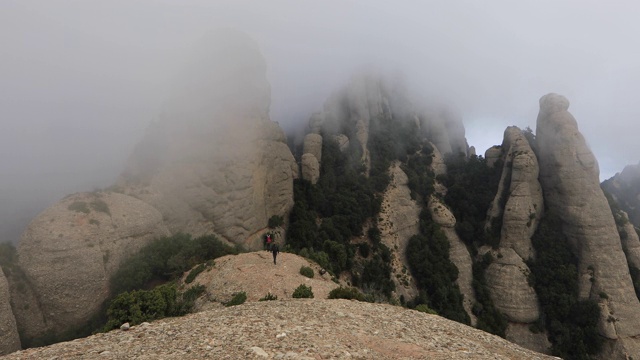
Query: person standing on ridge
x=275, y=250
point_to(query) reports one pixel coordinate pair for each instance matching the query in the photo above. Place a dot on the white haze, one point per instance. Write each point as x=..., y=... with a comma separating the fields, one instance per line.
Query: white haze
x=80, y=80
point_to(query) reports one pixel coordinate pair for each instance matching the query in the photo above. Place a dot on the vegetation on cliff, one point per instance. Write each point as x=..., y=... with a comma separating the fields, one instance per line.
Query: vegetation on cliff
x=570, y=322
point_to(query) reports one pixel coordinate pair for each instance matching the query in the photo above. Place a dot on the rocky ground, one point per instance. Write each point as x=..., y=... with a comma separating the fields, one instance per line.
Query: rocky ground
x=292, y=329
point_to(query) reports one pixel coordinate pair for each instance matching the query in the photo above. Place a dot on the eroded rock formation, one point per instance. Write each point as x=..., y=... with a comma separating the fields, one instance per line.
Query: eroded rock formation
x=70, y=250
x=399, y=222
x=515, y=213
x=9, y=340
x=569, y=175
x=215, y=163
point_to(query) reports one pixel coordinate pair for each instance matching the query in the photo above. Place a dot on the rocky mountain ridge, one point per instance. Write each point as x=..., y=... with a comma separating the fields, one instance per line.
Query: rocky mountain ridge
x=216, y=164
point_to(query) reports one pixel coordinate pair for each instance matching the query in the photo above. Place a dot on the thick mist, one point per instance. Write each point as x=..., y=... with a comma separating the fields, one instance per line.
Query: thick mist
x=81, y=81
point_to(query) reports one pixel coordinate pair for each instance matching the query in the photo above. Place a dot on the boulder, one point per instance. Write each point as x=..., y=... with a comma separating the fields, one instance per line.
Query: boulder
x=9, y=339
x=569, y=175
x=215, y=163
x=70, y=250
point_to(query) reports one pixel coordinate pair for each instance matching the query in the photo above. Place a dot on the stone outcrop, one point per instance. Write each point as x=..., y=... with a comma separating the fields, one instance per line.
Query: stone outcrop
x=630, y=241
x=9, y=340
x=569, y=175
x=399, y=216
x=524, y=202
x=624, y=187
x=458, y=252
x=515, y=212
x=446, y=131
x=71, y=249
x=311, y=157
x=215, y=163
x=507, y=282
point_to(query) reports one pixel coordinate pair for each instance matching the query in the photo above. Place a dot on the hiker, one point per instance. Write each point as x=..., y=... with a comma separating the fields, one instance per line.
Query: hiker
x=268, y=242
x=275, y=250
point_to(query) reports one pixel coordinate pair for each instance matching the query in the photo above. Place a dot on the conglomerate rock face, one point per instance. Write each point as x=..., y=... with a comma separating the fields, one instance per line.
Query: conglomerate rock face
x=569, y=176
x=9, y=339
x=518, y=204
x=215, y=163
x=70, y=250
x=399, y=222
x=458, y=251
x=624, y=187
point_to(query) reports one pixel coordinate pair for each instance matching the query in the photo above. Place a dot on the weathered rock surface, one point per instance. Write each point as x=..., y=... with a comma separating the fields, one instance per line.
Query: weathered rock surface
x=624, y=187
x=511, y=294
x=71, y=249
x=400, y=221
x=9, y=339
x=524, y=205
x=493, y=154
x=458, y=252
x=311, y=157
x=293, y=329
x=630, y=242
x=313, y=145
x=215, y=163
x=521, y=335
x=27, y=310
x=446, y=131
x=310, y=168
x=569, y=175
x=518, y=204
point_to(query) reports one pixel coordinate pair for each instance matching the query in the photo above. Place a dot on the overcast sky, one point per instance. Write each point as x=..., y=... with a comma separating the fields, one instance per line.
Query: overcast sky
x=80, y=80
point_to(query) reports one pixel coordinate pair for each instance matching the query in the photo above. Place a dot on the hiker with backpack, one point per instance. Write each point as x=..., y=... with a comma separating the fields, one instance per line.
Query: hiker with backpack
x=268, y=242
x=275, y=250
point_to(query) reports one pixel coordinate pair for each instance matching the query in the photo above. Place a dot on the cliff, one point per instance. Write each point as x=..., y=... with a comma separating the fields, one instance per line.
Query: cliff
x=569, y=176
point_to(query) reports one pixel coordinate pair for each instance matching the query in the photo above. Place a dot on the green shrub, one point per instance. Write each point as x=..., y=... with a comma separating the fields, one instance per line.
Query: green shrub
x=189, y=298
x=364, y=249
x=101, y=206
x=194, y=273
x=193, y=293
x=143, y=305
x=303, y=291
x=79, y=206
x=165, y=259
x=306, y=271
x=269, y=297
x=572, y=324
x=275, y=221
x=347, y=293
x=425, y=309
x=237, y=299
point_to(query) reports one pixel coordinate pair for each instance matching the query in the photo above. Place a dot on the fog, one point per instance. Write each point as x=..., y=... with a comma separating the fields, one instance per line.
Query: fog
x=81, y=80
